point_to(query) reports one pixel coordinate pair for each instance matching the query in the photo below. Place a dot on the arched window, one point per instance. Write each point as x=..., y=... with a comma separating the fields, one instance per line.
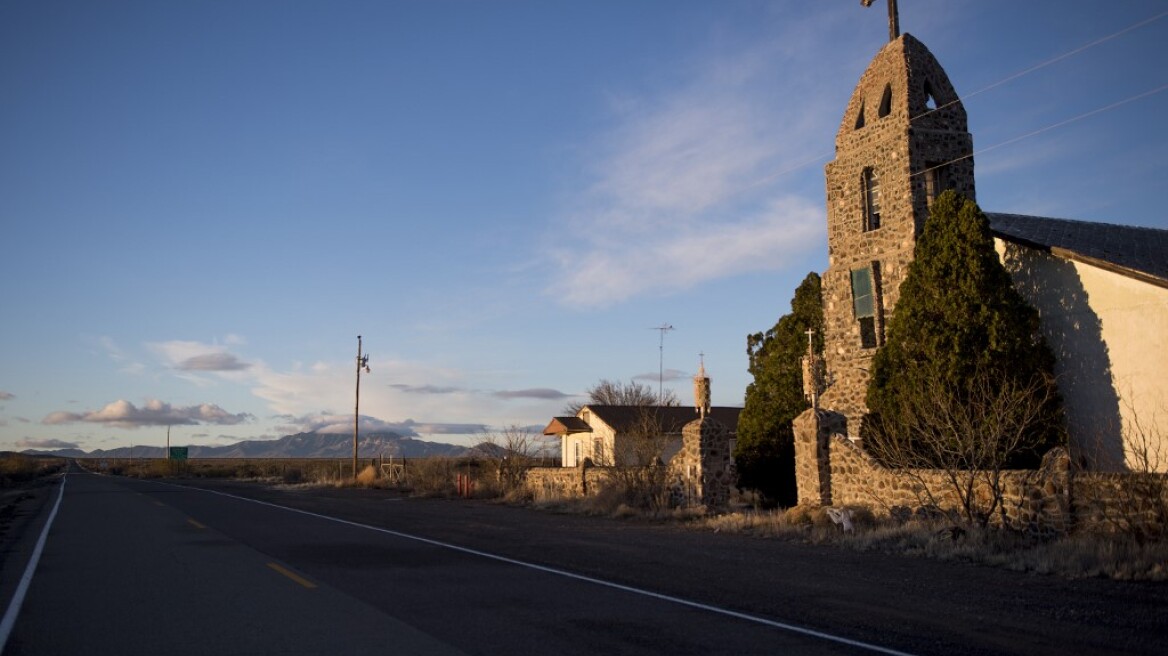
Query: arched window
x=930, y=99
x=885, y=102
x=870, y=192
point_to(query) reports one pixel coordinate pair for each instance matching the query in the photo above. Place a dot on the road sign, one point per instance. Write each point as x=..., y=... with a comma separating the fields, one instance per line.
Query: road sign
x=178, y=453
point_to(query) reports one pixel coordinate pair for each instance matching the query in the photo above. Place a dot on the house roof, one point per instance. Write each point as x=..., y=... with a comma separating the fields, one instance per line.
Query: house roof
x=566, y=425
x=622, y=417
x=1133, y=251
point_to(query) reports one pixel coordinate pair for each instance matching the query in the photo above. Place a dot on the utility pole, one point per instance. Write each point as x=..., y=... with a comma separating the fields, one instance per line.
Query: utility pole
x=664, y=328
x=362, y=362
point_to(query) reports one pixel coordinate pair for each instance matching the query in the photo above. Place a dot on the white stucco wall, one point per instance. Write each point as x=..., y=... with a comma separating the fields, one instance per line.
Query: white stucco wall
x=1110, y=335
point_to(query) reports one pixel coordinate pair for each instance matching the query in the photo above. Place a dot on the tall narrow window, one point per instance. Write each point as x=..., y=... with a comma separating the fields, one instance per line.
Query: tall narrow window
x=871, y=191
x=885, y=102
x=936, y=180
x=860, y=117
x=864, y=305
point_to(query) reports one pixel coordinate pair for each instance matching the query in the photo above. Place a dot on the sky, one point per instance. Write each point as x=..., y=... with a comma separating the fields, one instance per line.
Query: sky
x=203, y=204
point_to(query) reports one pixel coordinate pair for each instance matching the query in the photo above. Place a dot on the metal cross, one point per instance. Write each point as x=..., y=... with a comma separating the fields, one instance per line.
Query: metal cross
x=893, y=18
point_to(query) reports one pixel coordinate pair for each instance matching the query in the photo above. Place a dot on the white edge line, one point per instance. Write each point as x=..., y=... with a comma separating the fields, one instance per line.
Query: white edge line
x=571, y=575
x=9, y=620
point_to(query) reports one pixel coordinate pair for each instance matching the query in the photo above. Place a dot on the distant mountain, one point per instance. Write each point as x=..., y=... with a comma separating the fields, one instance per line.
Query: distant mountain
x=301, y=445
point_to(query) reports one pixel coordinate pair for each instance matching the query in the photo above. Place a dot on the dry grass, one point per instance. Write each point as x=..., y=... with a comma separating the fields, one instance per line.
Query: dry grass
x=16, y=468
x=1082, y=555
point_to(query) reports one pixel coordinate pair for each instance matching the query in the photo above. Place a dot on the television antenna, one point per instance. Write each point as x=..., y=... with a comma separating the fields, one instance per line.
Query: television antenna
x=663, y=328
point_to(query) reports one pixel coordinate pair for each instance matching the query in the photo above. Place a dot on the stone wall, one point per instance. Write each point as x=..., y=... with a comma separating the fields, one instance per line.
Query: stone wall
x=551, y=483
x=834, y=470
x=700, y=474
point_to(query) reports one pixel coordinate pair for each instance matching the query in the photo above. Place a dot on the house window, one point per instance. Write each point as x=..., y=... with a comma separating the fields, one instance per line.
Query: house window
x=598, y=451
x=864, y=305
x=870, y=188
x=937, y=179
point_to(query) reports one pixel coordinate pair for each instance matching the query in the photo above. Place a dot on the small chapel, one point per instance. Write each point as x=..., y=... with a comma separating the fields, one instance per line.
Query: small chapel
x=1101, y=289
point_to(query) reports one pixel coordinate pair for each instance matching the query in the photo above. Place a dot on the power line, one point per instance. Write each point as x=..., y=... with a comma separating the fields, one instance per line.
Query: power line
x=1042, y=65
x=1009, y=78
x=1073, y=119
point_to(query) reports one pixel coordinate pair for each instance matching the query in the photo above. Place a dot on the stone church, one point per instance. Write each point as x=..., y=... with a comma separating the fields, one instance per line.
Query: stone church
x=1101, y=289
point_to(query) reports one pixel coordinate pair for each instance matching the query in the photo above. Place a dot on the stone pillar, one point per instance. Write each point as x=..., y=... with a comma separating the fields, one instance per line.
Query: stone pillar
x=813, y=431
x=705, y=462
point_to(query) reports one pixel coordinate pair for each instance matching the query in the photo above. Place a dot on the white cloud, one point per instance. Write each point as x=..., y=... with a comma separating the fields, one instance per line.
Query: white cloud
x=50, y=443
x=341, y=424
x=690, y=187
x=689, y=255
x=197, y=356
x=124, y=414
x=218, y=361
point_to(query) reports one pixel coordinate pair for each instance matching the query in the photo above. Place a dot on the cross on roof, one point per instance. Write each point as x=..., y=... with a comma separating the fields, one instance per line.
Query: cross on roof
x=893, y=18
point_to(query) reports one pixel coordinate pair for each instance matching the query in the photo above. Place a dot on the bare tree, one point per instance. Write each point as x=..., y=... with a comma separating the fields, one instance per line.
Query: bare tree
x=641, y=474
x=1138, y=503
x=609, y=392
x=511, y=452
x=966, y=442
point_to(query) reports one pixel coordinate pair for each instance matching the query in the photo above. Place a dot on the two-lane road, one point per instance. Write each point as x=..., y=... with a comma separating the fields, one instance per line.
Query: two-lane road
x=123, y=572
x=135, y=567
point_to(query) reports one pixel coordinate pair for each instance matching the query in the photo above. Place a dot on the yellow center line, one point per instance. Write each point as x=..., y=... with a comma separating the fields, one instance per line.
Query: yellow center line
x=292, y=575
x=194, y=523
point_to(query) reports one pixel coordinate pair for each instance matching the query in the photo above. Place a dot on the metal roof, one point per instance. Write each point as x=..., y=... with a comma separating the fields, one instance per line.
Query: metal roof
x=1133, y=251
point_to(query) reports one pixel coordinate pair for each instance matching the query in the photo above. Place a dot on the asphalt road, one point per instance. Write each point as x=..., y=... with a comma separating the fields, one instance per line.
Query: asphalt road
x=140, y=567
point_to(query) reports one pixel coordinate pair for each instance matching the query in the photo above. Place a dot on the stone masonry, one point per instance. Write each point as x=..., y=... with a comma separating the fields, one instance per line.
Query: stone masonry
x=904, y=133
x=703, y=469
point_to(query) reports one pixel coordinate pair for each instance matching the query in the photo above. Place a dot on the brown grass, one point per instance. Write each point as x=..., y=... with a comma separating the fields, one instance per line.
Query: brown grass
x=1080, y=555
x=16, y=468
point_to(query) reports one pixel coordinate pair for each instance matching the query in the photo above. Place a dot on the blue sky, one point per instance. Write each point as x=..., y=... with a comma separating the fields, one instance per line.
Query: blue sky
x=204, y=203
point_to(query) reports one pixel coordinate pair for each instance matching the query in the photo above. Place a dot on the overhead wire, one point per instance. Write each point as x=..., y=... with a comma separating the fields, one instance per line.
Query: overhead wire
x=1048, y=62
x=999, y=83
x=1073, y=119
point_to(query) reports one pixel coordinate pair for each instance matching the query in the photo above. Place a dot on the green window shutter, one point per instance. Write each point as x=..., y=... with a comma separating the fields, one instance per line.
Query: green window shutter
x=862, y=300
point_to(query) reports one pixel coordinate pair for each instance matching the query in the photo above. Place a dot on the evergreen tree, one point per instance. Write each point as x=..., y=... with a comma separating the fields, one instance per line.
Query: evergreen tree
x=765, y=451
x=959, y=323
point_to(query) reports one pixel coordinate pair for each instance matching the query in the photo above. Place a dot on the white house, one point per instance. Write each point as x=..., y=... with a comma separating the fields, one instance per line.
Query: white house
x=603, y=433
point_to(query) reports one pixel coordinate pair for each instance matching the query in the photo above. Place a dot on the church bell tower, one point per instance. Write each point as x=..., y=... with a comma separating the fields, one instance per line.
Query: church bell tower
x=903, y=140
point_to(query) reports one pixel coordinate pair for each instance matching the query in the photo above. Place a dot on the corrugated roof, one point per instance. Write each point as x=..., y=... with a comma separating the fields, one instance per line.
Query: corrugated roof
x=672, y=418
x=1133, y=251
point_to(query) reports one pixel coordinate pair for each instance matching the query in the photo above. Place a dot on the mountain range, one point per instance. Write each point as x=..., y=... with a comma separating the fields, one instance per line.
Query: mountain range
x=300, y=445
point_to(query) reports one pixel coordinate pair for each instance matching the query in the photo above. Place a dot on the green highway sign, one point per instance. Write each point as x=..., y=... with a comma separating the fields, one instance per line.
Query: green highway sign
x=178, y=453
